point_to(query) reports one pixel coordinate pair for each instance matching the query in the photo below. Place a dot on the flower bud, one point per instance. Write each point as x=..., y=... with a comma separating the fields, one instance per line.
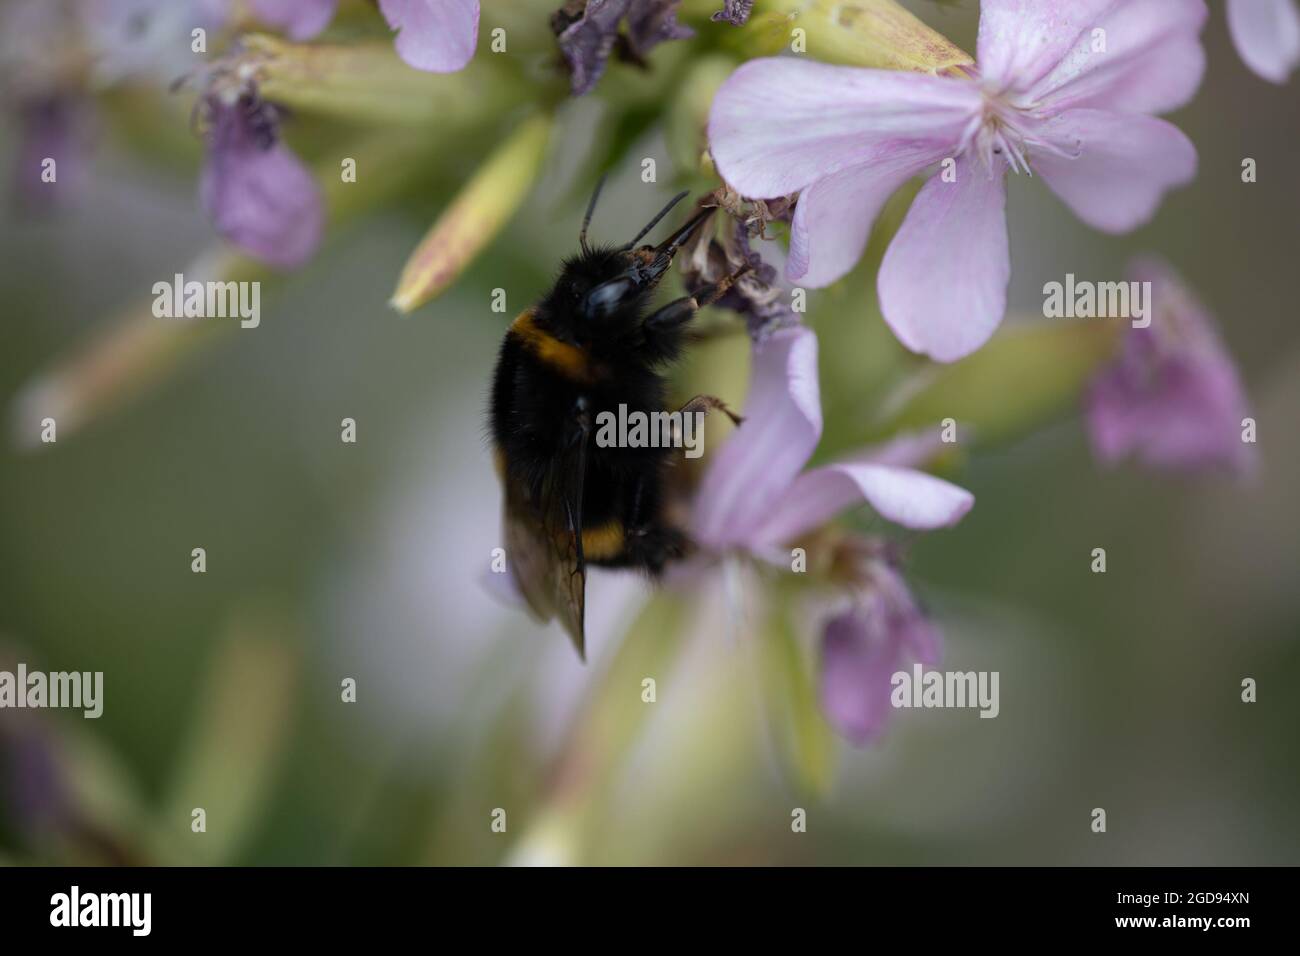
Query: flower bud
x=475, y=216
x=871, y=33
x=369, y=83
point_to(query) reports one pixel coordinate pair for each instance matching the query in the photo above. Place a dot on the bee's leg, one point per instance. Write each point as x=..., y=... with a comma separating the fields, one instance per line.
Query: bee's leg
x=578, y=428
x=650, y=547
x=660, y=544
x=679, y=311
x=636, y=509
x=712, y=293
x=694, y=412
x=664, y=330
x=671, y=317
x=707, y=403
x=648, y=542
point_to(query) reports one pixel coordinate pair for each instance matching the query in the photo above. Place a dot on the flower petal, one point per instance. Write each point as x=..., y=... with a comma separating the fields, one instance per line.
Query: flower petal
x=920, y=639
x=259, y=196
x=904, y=496
x=1125, y=165
x=299, y=19
x=943, y=281
x=862, y=649
x=912, y=449
x=1172, y=397
x=783, y=423
x=834, y=215
x=1021, y=41
x=1146, y=59
x=651, y=22
x=434, y=35
x=858, y=666
x=1267, y=35
x=778, y=124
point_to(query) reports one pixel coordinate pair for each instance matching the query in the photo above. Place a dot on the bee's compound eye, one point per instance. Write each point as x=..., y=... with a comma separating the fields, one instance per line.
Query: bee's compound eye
x=604, y=299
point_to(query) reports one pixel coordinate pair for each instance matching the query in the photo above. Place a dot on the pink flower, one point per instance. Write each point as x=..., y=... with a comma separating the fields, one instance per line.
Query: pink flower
x=758, y=498
x=434, y=35
x=256, y=191
x=1063, y=89
x=1267, y=35
x=299, y=19
x=1172, y=397
x=881, y=633
x=756, y=495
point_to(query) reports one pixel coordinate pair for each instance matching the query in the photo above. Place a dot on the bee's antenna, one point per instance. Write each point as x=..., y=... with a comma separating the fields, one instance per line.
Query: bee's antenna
x=591, y=207
x=655, y=221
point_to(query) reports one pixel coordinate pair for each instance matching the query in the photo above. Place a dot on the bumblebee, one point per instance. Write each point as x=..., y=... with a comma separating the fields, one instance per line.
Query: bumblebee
x=591, y=344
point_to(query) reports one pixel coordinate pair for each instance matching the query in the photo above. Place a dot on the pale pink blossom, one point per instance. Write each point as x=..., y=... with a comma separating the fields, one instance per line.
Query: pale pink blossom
x=757, y=495
x=1172, y=397
x=882, y=632
x=1267, y=35
x=1064, y=90
x=257, y=192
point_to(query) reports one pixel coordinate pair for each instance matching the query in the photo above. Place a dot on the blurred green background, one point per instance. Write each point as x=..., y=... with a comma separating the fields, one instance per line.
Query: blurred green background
x=328, y=560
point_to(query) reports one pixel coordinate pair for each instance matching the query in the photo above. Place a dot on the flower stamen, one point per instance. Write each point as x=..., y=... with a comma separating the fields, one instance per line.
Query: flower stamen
x=997, y=131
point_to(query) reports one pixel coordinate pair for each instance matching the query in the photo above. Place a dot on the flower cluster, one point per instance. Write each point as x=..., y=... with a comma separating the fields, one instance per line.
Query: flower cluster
x=780, y=147
x=758, y=499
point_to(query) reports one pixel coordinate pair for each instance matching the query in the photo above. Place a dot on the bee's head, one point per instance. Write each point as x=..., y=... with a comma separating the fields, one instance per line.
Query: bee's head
x=600, y=295
x=598, y=292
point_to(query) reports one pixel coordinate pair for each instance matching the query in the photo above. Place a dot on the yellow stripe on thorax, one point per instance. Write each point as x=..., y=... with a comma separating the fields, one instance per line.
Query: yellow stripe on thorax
x=569, y=360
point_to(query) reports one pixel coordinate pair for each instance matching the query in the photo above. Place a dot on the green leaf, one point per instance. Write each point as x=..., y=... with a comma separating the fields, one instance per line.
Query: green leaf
x=367, y=82
x=1025, y=377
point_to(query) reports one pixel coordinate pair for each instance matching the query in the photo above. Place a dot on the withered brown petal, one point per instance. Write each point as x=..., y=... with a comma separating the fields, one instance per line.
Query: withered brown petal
x=735, y=12
x=588, y=38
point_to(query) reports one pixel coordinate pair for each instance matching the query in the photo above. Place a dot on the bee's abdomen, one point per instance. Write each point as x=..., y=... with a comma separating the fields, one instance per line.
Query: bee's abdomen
x=531, y=406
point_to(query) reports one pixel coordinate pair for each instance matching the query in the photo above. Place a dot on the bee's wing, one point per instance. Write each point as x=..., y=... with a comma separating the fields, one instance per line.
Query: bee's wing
x=544, y=541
